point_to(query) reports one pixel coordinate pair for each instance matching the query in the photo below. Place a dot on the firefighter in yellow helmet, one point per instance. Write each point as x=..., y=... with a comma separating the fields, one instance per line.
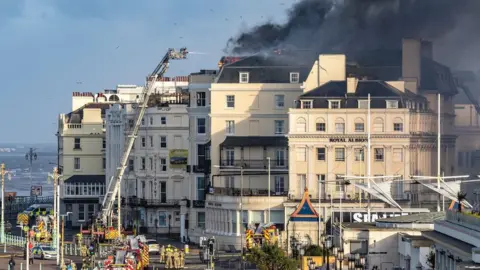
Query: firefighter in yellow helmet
x=182, y=259
x=176, y=259
x=162, y=254
x=169, y=254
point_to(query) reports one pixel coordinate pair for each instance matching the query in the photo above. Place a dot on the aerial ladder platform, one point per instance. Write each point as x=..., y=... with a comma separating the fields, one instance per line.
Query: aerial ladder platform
x=113, y=189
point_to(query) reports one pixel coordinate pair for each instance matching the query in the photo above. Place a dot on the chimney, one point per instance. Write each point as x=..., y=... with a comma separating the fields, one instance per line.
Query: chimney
x=411, y=63
x=427, y=49
x=352, y=83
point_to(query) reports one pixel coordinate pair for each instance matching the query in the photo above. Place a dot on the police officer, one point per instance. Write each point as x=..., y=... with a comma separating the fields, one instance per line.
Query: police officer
x=176, y=259
x=169, y=254
x=182, y=258
x=162, y=254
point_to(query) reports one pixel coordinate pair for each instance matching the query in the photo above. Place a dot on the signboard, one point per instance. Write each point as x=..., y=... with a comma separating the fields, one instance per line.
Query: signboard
x=178, y=158
x=360, y=217
x=348, y=140
x=36, y=191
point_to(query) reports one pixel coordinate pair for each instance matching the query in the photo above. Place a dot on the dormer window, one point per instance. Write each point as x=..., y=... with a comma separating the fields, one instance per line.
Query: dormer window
x=306, y=104
x=363, y=104
x=334, y=104
x=294, y=77
x=392, y=104
x=244, y=77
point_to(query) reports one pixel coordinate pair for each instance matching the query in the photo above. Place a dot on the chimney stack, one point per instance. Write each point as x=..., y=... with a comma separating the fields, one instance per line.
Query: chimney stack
x=352, y=83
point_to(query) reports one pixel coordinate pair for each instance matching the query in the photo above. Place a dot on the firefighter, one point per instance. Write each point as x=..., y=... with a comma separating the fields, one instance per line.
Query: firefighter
x=182, y=258
x=176, y=259
x=38, y=236
x=169, y=254
x=162, y=254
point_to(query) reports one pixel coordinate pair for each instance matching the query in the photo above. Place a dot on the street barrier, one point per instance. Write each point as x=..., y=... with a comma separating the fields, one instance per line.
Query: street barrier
x=16, y=241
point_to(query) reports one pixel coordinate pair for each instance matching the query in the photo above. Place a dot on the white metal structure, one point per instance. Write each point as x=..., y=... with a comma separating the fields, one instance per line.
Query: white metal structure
x=113, y=188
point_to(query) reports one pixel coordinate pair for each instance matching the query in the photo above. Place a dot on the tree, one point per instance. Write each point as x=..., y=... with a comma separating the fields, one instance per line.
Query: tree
x=271, y=257
x=461, y=196
x=313, y=250
x=431, y=259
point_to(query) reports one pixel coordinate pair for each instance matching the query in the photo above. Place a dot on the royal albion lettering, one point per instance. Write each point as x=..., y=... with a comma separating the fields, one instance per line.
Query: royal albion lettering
x=350, y=140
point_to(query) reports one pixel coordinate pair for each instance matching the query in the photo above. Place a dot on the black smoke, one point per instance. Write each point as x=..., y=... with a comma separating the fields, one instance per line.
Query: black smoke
x=357, y=25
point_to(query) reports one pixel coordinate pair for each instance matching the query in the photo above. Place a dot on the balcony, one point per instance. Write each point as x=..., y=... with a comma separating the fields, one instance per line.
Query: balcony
x=275, y=164
x=246, y=192
x=138, y=202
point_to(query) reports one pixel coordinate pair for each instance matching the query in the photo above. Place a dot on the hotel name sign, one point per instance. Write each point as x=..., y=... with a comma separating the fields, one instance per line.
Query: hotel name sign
x=348, y=140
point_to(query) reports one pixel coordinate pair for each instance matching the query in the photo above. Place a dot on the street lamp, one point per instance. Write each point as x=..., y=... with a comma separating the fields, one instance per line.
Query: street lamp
x=340, y=257
x=327, y=245
x=335, y=253
x=3, y=172
x=351, y=261
x=62, y=263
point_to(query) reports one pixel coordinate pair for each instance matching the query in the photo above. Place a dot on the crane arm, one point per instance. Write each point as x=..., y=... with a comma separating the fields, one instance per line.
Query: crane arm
x=115, y=183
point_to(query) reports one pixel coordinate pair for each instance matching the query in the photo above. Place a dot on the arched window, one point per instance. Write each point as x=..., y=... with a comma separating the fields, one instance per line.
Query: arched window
x=359, y=125
x=113, y=98
x=320, y=125
x=378, y=125
x=398, y=124
x=340, y=125
x=301, y=125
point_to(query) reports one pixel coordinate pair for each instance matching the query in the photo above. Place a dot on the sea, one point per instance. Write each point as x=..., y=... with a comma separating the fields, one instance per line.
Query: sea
x=20, y=179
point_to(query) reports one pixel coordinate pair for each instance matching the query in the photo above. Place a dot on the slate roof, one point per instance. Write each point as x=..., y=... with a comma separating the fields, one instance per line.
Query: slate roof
x=254, y=141
x=86, y=179
x=76, y=116
x=305, y=211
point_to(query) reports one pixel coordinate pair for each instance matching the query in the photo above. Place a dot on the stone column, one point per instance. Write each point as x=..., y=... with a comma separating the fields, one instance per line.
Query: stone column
x=239, y=220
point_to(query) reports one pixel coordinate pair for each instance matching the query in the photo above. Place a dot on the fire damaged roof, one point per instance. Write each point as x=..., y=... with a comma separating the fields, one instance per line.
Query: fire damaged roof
x=268, y=68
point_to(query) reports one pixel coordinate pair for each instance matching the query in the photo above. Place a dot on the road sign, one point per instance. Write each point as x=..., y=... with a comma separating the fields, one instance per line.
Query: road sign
x=36, y=191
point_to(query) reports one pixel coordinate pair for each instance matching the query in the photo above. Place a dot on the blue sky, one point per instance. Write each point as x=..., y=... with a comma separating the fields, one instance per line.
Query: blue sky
x=47, y=46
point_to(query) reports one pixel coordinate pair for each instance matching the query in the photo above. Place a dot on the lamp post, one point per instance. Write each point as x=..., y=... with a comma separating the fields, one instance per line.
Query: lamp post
x=31, y=156
x=335, y=253
x=268, y=158
x=62, y=263
x=3, y=172
x=327, y=245
x=340, y=257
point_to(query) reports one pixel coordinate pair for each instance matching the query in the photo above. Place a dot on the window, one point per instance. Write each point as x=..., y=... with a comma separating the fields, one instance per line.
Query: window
x=143, y=121
x=201, y=99
x=151, y=121
x=163, y=141
x=130, y=123
x=280, y=157
x=302, y=181
x=81, y=212
x=201, y=129
x=230, y=181
x=76, y=163
x=143, y=141
x=378, y=125
x=131, y=167
x=201, y=188
x=201, y=220
x=339, y=184
x=279, y=101
x=150, y=160
x=230, y=101
x=279, y=184
x=363, y=104
x=229, y=127
x=340, y=127
x=163, y=120
x=163, y=192
x=142, y=165
x=392, y=104
x=150, y=138
x=243, y=77
x=378, y=154
x=230, y=156
x=359, y=127
x=306, y=104
x=162, y=219
x=301, y=154
x=320, y=125
x=339, y=154
x=301, y=125
x=163, y=164
x=359, y=154
x=279, y=127
x=91, y=210
x=334, y=104
x=294, y=77
x=104, y=163
x=397, y=154
x=398, y=124
x=201, y=155
x=460, y=159
x=321, y=154
x=104, y=143
x=76, y=144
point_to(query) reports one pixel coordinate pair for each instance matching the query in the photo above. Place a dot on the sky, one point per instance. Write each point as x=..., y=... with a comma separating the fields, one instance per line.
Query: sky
x=51, y=48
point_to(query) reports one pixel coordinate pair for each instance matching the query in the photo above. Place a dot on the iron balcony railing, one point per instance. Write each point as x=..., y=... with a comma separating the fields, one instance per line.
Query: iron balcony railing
x=246, y=192
x=133, y=201
x=276, y=164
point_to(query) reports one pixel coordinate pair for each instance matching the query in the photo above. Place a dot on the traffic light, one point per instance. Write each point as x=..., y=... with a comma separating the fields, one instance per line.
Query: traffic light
x=211, y=245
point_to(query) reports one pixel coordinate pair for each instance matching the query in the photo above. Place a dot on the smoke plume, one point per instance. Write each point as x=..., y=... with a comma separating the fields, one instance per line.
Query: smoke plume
x=355, y=25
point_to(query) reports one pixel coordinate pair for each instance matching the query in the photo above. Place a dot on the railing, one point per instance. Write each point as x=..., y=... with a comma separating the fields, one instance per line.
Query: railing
x=467, y=219
x=132, y=201
x=256, y=164
x=16, y=241
x=246, y=192
x=76, y=126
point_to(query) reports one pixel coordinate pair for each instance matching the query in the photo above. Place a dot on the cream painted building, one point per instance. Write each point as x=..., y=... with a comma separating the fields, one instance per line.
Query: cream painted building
x=81, y=157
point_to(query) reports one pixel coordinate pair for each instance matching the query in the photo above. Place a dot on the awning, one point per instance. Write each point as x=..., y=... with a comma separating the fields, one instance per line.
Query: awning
x=255, y=141
x=381, y=191
x=447, y=189
x=86, y=179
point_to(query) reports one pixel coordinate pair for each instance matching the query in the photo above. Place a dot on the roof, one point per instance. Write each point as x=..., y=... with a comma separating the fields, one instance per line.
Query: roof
x=375, y=88
x=446, y=240
x=469, y=80
x=76, y=116
x=89, y=179
x=268, y=68
x=254, y=141
x=420, y=218
x=305, y=211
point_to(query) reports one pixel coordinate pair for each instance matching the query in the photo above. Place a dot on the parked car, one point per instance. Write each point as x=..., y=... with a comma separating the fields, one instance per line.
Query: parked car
x=153, y=246
x=44, y=252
